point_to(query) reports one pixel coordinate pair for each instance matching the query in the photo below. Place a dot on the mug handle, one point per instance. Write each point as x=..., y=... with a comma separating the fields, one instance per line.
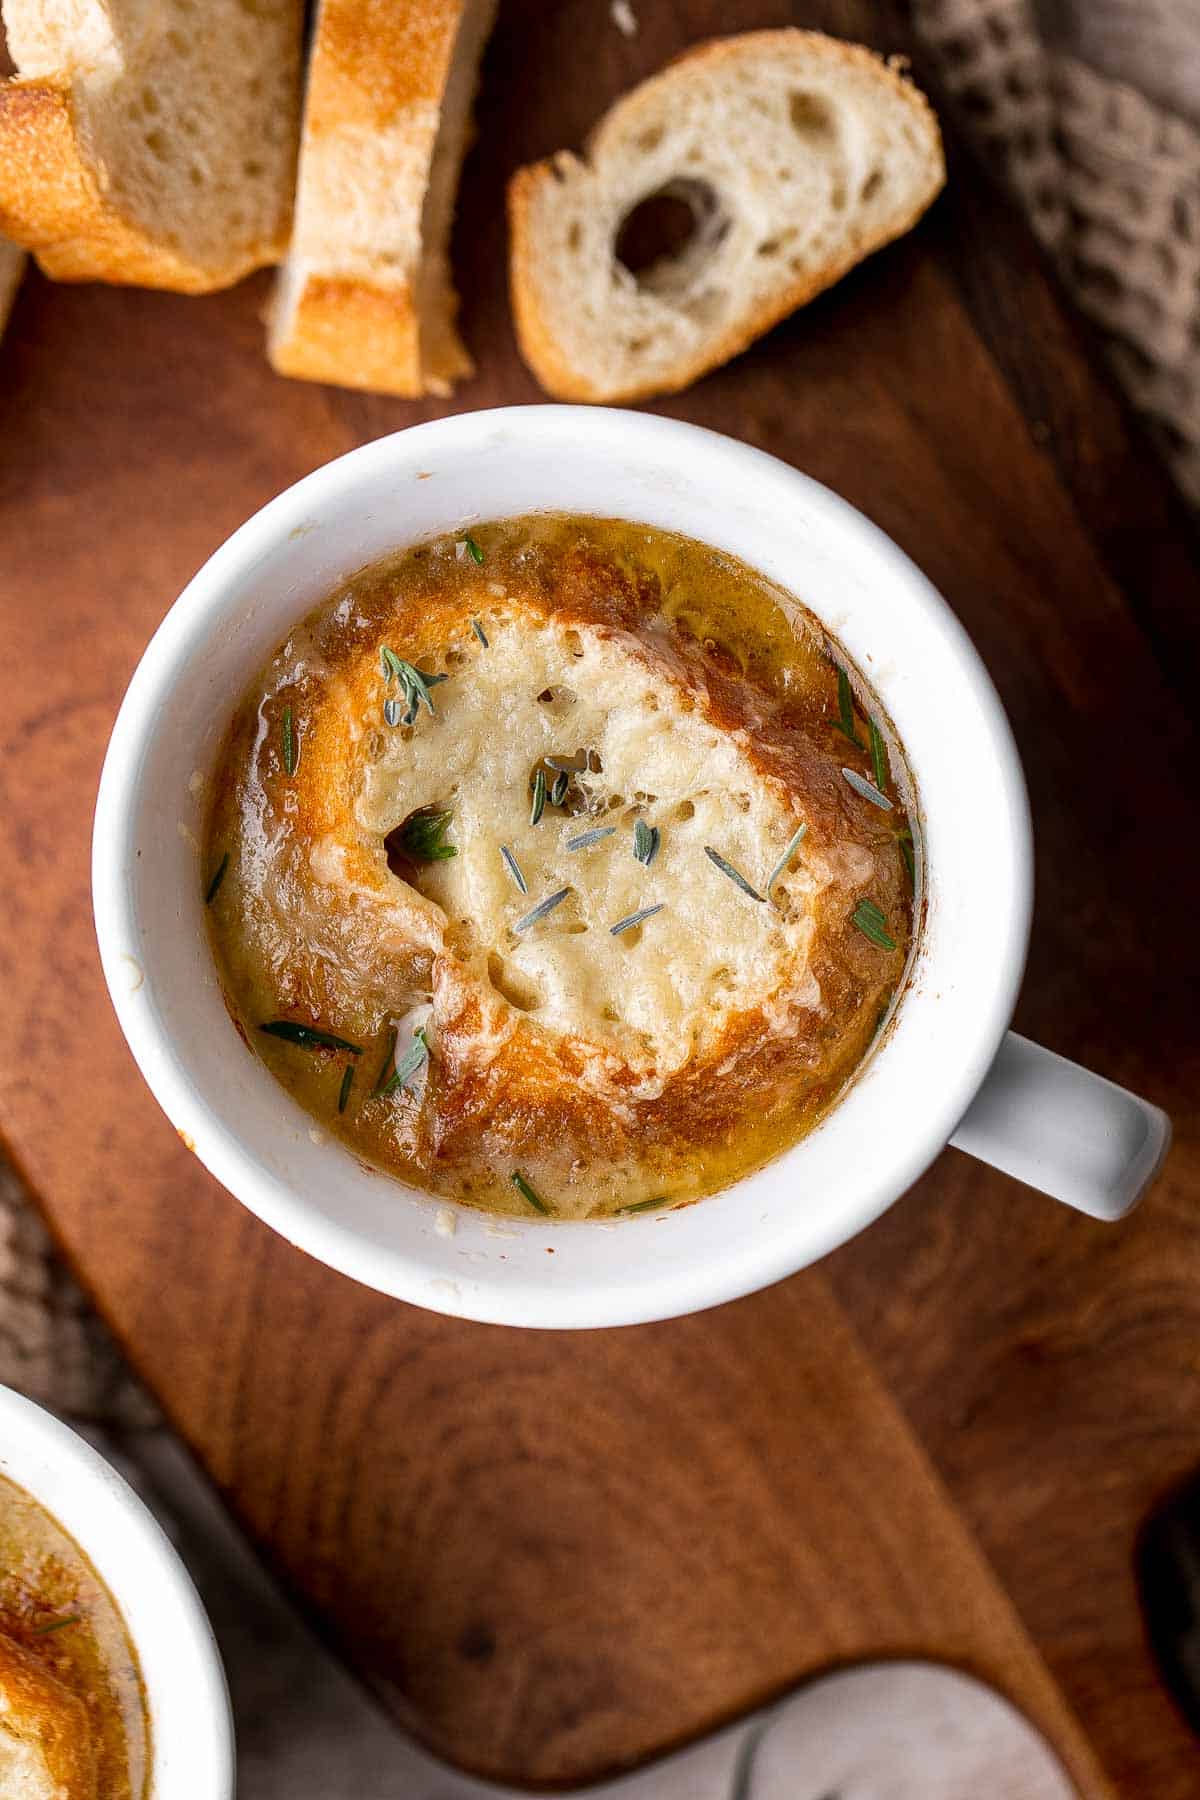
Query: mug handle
x=1064, y=1130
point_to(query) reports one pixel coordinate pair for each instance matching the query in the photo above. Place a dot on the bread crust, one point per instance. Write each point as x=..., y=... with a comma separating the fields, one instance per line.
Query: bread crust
x=376, y=65
x=53, y=203
x=532, y=184
x=37, y=1709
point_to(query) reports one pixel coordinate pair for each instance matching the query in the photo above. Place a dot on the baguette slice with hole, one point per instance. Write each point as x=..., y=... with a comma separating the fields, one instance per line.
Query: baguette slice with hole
x=366, y=298
x=151, y=141
x=798, y=156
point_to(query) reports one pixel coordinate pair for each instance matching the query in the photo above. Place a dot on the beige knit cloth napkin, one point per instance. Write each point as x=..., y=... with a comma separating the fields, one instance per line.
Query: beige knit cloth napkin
x=1090, y=109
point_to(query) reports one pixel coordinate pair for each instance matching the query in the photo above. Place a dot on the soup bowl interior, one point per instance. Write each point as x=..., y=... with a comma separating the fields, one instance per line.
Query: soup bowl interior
x=442, y=477
x=191, y=1730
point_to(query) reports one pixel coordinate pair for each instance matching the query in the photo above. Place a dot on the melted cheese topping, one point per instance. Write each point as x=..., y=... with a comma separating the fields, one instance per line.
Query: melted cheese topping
x=608, y=1068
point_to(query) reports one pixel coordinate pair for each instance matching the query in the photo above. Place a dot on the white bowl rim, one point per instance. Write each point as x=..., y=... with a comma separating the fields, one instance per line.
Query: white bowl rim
x=522, y=1298
x=191, y=1723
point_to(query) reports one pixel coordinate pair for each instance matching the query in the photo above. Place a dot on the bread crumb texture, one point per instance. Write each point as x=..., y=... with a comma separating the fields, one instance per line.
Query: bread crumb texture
x=796, y=156
x=151, y=141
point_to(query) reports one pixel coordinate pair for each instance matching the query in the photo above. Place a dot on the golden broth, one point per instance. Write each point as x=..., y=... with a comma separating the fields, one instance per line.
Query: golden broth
x=53, y=1604
x=715, y=648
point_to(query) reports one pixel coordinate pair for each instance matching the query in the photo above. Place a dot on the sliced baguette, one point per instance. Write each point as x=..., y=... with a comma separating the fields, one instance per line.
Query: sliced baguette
x=365, y=298
x=798, y=156
x=151, y=141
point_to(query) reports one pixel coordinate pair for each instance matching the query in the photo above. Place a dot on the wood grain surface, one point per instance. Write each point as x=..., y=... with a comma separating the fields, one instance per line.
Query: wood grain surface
x=556, y=1555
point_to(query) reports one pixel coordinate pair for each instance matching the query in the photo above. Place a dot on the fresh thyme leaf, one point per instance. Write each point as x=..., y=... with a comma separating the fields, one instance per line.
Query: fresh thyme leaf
x=727, y=868
x=393, y=713
x=480, y=633
x=872, y=924
x=388, y=1069
x=472, y=547
x=213, y=888
x=647, y=912
x=879, y=761
x=347, y=1084
x=846, y=709
x=645, y=842
x=415, y=682
x=289, y=742
x=57, y=1625
x=906, y=851
x=586, y=839
x=541, y=909
x=420, y=837
x=866, y=789
x=414, y=1059
x=558, y=792
x=563, y=765
x=539, y=795
x=514, y=868
x=784, y=860
x=526, y=1192
x=645, y=1205
x=309, y=1037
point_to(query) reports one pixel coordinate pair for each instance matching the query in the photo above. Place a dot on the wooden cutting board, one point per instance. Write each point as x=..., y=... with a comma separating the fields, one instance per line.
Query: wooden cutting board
x=554, y=1556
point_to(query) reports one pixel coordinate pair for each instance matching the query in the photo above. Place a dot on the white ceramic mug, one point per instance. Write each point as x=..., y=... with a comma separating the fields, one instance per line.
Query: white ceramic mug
x=945, y=1071
x=187, y=1702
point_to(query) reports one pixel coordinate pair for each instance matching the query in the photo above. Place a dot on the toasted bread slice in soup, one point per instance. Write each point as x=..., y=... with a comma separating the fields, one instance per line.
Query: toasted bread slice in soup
x=150, y=141
x=797, y=156
x=366, y=298
x=45, y=1741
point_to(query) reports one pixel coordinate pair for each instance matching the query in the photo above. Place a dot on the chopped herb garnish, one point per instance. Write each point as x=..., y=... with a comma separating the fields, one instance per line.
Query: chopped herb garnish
x=393, y=712
x=873, y=925
x=586, y=839
x=868, y=791
x=558, y=792
x=473, y=549
x=420, y=837
x=309, y=1037
x=879, y=761
x=526, y=1192
x=906, y=851
x=389, y=1067
x=213, y=888
x=645, y=1205
x=413, y=1060
x=645, y=842
x=845, y=722
x=514, y=868
x=415, y=683
x=727, y=868
x=784, y=860
x=563, y=765
x=57, y=1625
x=289, y=742
x=480, y=633
x=347, y=1084
x=541, y=909
x=539, y=795
x=647, y=912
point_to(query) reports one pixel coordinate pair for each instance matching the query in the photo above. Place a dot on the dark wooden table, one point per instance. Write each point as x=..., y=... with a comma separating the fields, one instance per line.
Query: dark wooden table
x=552, y=1555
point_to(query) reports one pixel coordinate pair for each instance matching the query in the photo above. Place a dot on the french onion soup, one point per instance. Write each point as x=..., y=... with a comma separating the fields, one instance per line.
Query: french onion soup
x=73, y=1722
x=564, y=866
